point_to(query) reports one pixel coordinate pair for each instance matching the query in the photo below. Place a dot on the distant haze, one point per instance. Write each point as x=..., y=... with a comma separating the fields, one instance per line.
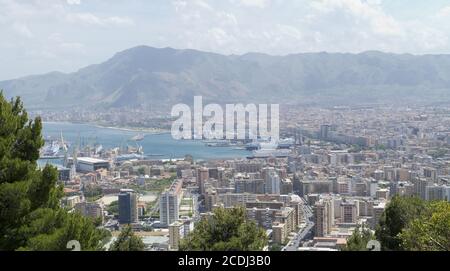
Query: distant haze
x=39, y=36
x=144, y=76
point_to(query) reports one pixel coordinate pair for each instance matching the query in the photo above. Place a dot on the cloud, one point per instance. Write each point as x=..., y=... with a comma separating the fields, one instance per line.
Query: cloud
x=252, y=3
x=444, y=12
x=23, y=30
x=276, y=27
x=91, y=19
x=74, y=2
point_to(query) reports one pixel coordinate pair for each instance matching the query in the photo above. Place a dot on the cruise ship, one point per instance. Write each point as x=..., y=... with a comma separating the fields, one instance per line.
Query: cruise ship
x=53, y=149
x=286, y=143
x=266, y=153
x=261, y=145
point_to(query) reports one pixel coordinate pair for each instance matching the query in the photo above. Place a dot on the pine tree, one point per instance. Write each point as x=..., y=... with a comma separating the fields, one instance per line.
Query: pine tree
x=30, y=214
x=359, y=239
x=225, y=230
x=127, y=241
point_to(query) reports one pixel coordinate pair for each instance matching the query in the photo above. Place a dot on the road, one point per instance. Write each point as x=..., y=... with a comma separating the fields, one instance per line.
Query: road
x=305, y=233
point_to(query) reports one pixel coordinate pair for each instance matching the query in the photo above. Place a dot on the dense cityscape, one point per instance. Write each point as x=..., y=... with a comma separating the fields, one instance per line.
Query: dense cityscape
x=335, y=170
x=220, y=135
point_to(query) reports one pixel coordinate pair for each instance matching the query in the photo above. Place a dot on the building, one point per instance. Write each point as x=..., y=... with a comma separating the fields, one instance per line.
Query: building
x=202, y=177
x=279, y=235
x=435, y=192
x=286, y=187
x=377, y=213
x=90, y=209
x=128, y=211
x=176, y=233
x=234, y=199
x=169, y=203
x=64, y=174
x=272, y=181
x=321, y=218
x=88, y=164
x=324, y=131
x=71, y=201
x=349, y=212
x=382, y=194
x=252, y=186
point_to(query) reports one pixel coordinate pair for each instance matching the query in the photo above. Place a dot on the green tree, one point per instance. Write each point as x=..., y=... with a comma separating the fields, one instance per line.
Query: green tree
x=127, y=241
x=30, y=215
x=398, y=214
x=113, y=208
x=141, y=171
x=225, y=230
x=430, y=231
x=359, y=239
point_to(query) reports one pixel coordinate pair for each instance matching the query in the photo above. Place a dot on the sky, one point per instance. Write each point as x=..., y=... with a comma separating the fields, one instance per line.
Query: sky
x=40, y=36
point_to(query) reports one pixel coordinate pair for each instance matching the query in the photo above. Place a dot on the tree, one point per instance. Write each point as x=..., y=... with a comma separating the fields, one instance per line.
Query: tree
x=430, y=231
x=225, y=230
x=398, y=214
x=141, y=171
x=127, y=241
x=113, y=208
x=359, y=239
x=30, y=215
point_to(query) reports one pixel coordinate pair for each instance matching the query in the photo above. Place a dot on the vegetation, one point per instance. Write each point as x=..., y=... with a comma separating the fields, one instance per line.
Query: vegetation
x=398, y=214
x=113, y=208
x=359, y=239
x=414, y=224
x=159, y=185
x=93, y=193
x=127, y=241
x=141, y=171
x=430, y=231
x=30, y=215
x=225, y=230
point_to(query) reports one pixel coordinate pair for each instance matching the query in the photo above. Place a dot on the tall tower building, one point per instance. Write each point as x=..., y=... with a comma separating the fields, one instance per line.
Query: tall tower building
x=169, y=203
x=202, y=177
x=128, y=212
x=321, y=223
x=272, y=181
x=323, y=217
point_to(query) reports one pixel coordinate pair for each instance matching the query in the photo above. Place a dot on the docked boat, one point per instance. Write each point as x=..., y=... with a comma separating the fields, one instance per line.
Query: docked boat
x=138, y=137
x=286, y=143
x=266, y=153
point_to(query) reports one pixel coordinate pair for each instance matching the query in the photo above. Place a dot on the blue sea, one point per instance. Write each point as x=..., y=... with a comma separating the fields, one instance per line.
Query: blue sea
x=162, y=145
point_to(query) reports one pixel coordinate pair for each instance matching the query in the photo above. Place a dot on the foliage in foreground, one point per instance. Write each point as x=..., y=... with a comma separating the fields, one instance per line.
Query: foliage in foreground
x=359, y=239
x=30, y=214
x=225, y=230
x=127, y=241
x=415, y=224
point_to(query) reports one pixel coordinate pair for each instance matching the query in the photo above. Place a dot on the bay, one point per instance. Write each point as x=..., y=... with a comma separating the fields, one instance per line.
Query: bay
x=159, y=146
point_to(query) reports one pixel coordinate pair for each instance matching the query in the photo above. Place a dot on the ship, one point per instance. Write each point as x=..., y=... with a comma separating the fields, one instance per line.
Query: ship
x=218, y=143
x=266, y=153
x=138, y=137
x=286, y=143
x=54, y=149
x=253, y=146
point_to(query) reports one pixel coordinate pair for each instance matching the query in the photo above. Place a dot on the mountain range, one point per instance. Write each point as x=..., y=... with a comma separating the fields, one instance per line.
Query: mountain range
x=145, y=76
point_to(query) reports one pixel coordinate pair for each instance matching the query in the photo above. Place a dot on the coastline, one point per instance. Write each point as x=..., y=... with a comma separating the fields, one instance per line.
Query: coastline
x=152, y=131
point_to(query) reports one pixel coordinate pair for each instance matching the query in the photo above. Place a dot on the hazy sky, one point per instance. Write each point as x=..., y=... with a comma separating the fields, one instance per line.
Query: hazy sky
x=39, y=36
